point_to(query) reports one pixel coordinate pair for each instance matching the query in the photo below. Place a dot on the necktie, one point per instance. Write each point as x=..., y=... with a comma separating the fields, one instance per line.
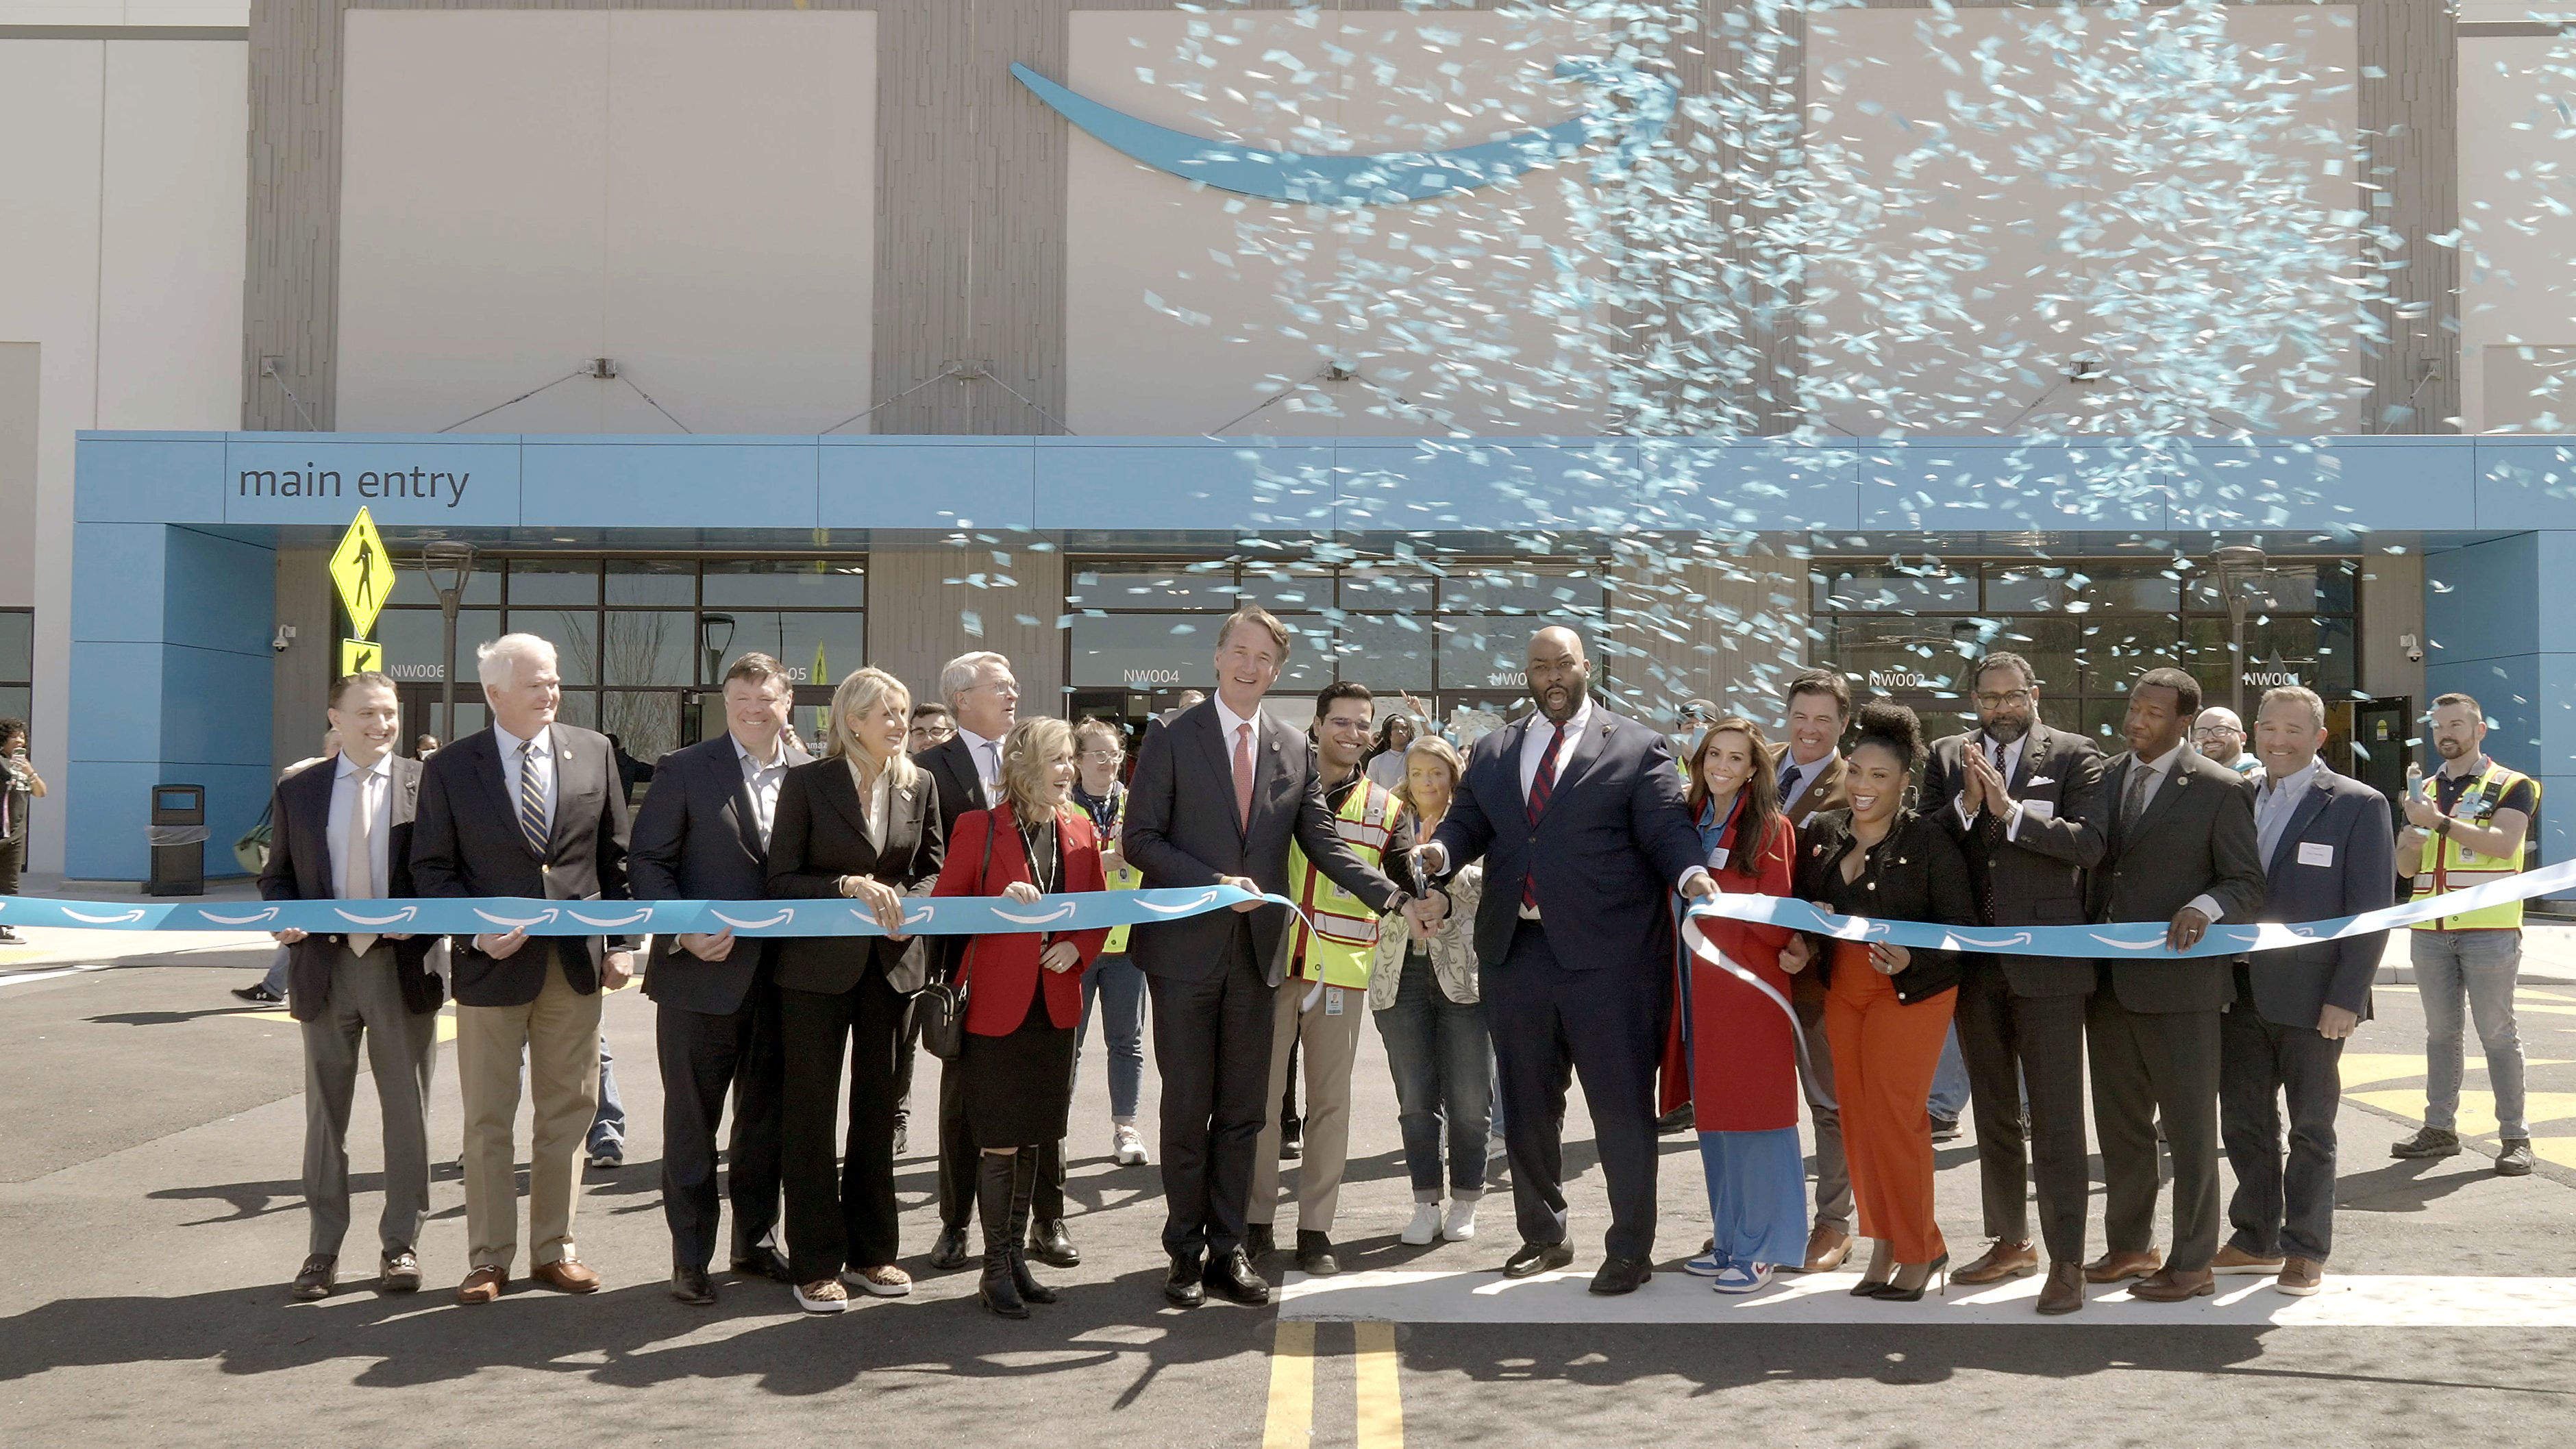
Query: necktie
x=992, y=770
x=358, y=875
x=1788, y=782
x=532, y=800
x=1542, y=785
x=1990, y=839
x=2135, y=804
x=1243, y=775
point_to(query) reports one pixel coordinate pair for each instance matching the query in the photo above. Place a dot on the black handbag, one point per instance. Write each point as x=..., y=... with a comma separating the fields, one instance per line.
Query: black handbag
x=942, y=1002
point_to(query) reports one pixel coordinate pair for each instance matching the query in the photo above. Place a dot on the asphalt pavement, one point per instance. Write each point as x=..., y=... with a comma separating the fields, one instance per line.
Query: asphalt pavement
x=150, y=1219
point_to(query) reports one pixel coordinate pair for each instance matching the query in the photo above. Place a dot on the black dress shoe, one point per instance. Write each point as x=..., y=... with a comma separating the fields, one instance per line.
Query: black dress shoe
x=257, y=995
x=1181, y=1284
x=693, y=1287
x=764, y=1262
x=1050, y=1244
x=1621, y=1275
x=1945, y=1129
x=1536, y=1258
x=1315, y=1254
x=1232, y=1279
x=948, y=1252
x=1258, y=1240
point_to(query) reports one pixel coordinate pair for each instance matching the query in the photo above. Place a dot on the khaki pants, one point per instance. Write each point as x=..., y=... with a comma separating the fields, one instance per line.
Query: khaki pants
x=559, y=1035
x=1331, y=1037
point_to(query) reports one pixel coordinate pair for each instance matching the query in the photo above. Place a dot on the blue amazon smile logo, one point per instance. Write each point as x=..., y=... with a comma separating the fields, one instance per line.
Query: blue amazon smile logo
x=1388, y=177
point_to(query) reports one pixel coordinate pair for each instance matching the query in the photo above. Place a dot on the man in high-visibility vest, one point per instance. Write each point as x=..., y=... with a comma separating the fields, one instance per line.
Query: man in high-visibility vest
x=2468, y=825
x=1325, y=993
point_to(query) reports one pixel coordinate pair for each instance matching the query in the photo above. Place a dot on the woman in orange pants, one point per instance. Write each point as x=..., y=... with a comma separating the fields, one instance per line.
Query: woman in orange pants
x=1887, y=1008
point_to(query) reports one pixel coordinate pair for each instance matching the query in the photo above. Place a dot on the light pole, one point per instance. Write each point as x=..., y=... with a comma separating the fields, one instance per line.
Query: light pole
x=2238, y=564
x=715, y=635
x=448, y=563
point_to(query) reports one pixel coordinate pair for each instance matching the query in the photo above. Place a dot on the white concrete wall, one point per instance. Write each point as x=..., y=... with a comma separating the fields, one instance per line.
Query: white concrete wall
x=1134, y=234
x=2516, y=283
x=689, y=193
x=124, y=12
x=121, y=236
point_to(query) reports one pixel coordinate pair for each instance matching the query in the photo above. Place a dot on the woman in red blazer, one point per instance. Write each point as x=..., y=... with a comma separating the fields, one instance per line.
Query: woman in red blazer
x=1743, y=1049
x=1023, y=991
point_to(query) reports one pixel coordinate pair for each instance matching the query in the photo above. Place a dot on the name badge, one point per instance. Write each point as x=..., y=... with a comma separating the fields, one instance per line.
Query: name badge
x=2312, y=853
x=1717, y=857
x=1332, y=1001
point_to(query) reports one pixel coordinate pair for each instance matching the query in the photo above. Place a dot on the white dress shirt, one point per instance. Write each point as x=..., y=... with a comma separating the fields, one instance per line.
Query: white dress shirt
x=2159, y=770
x=761, y=783
x=2011, y=761
x=1794, y=776
x=511, y=745
x=2277, y=802
x=377, y=781
x=875, y=801
x=1231, y=725
x=988, y=763
x=1534, y=744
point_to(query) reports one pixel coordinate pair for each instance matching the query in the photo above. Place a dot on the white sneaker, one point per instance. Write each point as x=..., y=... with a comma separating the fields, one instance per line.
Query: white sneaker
x=1460, y=1224
x=1424, y=1227
x=1706, y=1265
x=1125, y=1146
x=1743, y=1278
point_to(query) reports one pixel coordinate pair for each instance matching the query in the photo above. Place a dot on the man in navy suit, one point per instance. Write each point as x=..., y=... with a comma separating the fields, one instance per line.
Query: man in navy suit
x=2327, y=848
x=1578, y=816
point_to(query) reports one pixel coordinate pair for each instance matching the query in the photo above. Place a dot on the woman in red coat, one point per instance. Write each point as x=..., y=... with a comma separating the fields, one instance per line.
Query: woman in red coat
x=1023, y=991
x=1743, y=1049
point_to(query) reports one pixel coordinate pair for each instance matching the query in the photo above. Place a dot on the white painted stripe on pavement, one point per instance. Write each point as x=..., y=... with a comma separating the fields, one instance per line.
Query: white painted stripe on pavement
x=2358, y=1301
x=21, y=978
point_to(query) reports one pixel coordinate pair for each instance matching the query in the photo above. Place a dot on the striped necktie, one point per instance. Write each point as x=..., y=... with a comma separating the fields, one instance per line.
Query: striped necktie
x=1541, y=786
x=532, y=800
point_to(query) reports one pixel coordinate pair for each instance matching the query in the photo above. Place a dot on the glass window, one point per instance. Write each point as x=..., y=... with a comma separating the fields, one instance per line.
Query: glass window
x=640, y=646
x=1152, y=586
x=14, y=701
x=2317, y=653
x=579, y=707
x=1519, y=591
x=1387, y=652
x=1900, y=655
x=2054, y=647
x=2284, y=588
x=17, y=646
x=1310, y=662
x=411, y=586
x=646, y=722
x=798, y=583
x=412, y=638
x=573, y=632
x=815, y=648
x=2117, y=651
x=1142, y=651
x=1480, y=655
x=553, y=581
x=1879, y=588
x=2081, y=588
x=1280, y=587
x=2103, y=716
x=671, y=583
x=1375, y=588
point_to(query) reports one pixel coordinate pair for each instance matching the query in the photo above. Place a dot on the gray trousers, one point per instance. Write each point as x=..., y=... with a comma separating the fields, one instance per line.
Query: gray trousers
x=402, y=1052
x=1833, y=1174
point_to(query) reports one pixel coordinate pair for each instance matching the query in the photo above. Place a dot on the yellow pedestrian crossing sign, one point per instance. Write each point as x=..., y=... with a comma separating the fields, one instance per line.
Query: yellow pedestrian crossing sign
x=362, y=573
x=357, y=656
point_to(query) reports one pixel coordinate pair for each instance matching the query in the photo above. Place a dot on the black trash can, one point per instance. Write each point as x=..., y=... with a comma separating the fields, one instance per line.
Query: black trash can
x=178, y=841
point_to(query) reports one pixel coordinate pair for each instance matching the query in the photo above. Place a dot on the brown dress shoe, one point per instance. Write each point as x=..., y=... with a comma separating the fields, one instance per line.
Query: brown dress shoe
x=316, y=1279
x=566, y=1275
x=2114, y=1267
x=2003, y=1260
x=2064, y=1290
x=2233, y=1259
x=482, y=1285
x=2300, y=1277
x=1826, y=1250
x=399, y=1272
x=2172, y=1285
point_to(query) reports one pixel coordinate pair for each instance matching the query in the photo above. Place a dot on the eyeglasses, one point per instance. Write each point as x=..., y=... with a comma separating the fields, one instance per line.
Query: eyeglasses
x=1998, y=701
x=1103, y=757
x=2210, y=732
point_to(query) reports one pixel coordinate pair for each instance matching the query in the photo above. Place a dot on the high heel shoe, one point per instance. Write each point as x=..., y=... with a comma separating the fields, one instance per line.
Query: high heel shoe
x=1890, y=1293
x=1869, y=1287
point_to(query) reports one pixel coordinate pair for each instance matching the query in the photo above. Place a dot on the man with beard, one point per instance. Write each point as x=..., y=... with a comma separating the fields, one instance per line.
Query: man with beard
x=2025, y=804
x=1578, y=816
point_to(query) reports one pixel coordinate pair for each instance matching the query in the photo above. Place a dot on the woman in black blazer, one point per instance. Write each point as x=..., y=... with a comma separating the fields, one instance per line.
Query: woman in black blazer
x=1887, y=1008
x=862, y=823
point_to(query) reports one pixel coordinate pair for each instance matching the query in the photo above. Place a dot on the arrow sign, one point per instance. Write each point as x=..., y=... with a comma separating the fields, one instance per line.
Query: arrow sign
x=357, y=656
x=362, y=574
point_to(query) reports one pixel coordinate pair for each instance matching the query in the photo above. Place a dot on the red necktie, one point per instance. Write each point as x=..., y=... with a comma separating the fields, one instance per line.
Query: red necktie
x=1243, y=775
x=1542, y=786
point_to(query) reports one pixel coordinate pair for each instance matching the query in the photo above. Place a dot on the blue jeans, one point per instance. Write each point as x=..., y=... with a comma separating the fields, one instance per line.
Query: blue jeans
x=1442, y=1061
x=275, y=980
x=1950, y=1080
x=608, y=1128
x=2469, y=973
x=1121, y=983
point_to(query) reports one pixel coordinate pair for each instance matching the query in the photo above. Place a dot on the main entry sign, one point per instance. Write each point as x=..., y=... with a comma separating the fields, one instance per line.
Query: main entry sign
x=362, y=574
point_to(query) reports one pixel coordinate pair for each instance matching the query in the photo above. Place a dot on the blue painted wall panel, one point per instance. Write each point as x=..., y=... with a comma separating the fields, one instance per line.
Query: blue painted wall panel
x=117, y=703
x=106, y=839
x=2525, y=483
x=213, y=707
x=2372, y=484
x=148, y=478
x=2478, y=601
x=682, y=482
x=219, y=593
x=2001, y=486
x=117, y=582
x=924, y=483
x=431, y=479
x=1194, y=484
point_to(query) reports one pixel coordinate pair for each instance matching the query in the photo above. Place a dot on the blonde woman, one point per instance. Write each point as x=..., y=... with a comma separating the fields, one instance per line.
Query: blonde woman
x=862, y=824
x=1425, y=996
x=1023, y=992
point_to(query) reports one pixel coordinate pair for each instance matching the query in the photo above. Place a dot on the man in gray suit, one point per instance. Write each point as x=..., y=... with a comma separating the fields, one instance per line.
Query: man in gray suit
x=2327, y=848
x=2182, y=851
x=343, y=832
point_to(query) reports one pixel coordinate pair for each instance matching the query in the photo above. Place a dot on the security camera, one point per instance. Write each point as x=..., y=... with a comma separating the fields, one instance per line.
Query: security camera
x=2414, y=650
x=285, y=636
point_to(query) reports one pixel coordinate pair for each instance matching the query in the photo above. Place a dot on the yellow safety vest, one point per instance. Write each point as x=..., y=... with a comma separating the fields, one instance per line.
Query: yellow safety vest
x=1124, y=878
x=1343, y=945
x=2448, y=866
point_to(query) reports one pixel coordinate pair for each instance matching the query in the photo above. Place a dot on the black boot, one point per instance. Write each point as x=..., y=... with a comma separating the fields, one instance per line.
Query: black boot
x=993, y=1191
x=1024, y=1191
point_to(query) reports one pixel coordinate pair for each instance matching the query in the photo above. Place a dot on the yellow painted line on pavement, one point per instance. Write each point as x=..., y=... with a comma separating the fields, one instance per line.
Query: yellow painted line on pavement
x=1381, y=1398
x=1290, y=1424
